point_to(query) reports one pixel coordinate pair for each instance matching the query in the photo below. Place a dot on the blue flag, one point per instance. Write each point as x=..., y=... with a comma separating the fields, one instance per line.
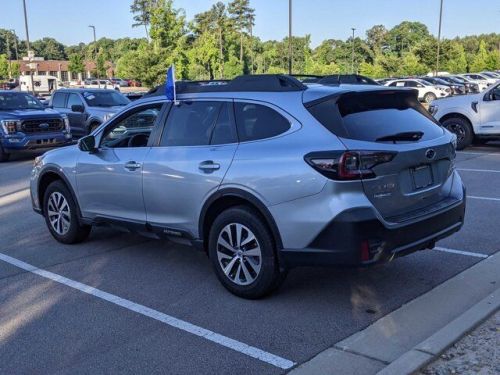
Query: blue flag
x=170, y=84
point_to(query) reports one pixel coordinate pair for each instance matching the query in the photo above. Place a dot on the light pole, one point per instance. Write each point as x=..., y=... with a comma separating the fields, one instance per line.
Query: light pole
x=95, y=55
x=28, y=45
x=352, y=52
x=439, y=38
x=290, y=37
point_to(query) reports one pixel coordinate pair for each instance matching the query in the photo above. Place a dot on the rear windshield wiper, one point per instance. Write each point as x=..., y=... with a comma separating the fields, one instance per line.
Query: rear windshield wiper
x=401, y=137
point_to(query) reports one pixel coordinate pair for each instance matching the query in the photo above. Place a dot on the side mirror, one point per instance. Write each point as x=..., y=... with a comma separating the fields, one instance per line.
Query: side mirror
x=87, y=144
x=77, y=108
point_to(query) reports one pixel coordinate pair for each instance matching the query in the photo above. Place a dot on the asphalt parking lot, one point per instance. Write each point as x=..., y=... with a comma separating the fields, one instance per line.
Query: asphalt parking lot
x=123, y=303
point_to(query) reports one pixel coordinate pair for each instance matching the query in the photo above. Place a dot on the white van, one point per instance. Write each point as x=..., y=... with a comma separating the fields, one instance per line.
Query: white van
x=43, y=84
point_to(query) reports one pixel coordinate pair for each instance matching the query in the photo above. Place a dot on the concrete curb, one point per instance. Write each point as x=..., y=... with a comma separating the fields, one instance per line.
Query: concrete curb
x=415, y=334
x=429, y=349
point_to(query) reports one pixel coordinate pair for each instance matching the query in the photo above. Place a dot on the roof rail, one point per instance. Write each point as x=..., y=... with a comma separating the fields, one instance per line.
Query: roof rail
x=257, y=82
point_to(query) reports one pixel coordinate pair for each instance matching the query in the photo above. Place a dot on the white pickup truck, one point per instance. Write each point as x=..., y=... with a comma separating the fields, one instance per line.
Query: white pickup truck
x=473, y=118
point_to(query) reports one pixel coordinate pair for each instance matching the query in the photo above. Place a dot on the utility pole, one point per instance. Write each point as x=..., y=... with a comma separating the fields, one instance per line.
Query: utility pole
x=439, y=38
x=352, y=53
x=95, y=56
x=30, y=54
x=7, y=42
x=290, y=37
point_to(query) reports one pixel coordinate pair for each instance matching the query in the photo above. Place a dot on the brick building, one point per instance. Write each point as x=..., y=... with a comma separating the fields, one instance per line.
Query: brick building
x=59, y=69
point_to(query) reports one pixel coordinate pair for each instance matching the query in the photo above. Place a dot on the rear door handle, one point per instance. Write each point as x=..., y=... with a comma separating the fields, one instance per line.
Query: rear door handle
x=209, y=166
x=132, y=165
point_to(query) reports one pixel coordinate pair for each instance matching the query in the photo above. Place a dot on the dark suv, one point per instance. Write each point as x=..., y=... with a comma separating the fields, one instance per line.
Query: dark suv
x=25, y=124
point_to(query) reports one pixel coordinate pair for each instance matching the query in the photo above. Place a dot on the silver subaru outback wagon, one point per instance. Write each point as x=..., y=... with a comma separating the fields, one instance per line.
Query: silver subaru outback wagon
x=263, y=173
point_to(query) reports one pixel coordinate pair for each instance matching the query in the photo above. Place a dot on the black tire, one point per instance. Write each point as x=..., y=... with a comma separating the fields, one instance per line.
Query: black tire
x=269, y=277
x=480, y=141
x=462, y=129
x=73, y=232
x=429, y=97
x=4, y=156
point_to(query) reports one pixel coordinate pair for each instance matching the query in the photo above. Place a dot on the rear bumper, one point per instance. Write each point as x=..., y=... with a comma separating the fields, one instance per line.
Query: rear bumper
x=358, y=237
x=20, y=142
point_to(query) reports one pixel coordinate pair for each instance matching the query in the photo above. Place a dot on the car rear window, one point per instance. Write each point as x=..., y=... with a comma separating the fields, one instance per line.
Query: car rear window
x=368, y=116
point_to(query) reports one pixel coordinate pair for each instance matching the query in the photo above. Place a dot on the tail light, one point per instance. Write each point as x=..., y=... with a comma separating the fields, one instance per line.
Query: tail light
x=349, y=165
x=10, y=126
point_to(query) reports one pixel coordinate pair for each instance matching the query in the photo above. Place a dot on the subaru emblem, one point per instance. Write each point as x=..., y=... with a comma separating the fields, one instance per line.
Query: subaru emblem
x=43, y=126
x=430, y=154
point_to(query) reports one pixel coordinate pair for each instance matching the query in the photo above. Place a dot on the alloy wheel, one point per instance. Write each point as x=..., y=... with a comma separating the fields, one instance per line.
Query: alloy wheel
x=239, y=254
x=59, y=213
x=458, y=130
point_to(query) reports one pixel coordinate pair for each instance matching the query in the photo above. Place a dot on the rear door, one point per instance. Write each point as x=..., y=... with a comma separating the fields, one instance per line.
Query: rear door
x=194, y=153
x=394, y=123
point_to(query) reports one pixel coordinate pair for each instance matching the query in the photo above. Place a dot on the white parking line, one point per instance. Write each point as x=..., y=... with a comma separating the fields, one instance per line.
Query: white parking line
x=14, y=197
x=483, y=198
x=476, y=153
x=227, y=342
x=478, y=170
x=460, y=252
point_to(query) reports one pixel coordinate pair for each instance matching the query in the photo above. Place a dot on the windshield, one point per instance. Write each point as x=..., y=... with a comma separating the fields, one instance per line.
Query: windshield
x=13, y=101
x=105, y=99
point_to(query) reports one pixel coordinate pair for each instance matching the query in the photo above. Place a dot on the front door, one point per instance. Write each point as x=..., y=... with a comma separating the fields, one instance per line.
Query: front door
x=489, y=110
x=76, y=119
x=109, y=181
x=195, y=151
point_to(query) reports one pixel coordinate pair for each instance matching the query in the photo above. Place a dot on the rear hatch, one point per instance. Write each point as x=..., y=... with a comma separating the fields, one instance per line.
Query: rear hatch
x=406, y=157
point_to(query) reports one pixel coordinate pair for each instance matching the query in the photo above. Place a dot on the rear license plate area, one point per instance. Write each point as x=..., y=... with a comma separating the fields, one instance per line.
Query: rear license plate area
x=422, y=176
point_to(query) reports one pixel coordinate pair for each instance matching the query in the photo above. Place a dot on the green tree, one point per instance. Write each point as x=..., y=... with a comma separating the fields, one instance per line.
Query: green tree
x=480, y=61
x=49, y=49
x=493, y=60
x=243, y=18
x=141, y=9
x=456, y=58
x=168, y=25
x=4, y=67
x=76, y=63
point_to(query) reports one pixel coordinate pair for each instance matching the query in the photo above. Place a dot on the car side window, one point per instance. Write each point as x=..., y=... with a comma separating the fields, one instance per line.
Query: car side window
x=191, y=123
x=59, y=99
x=410, y=84
x=495, y=93
x=399, y=84
x=255, y=121
x=73, y=99
x=224, y=130
x=132, y=129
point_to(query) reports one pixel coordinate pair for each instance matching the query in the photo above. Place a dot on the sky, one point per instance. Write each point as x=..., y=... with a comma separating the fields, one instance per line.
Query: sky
x=68, y=20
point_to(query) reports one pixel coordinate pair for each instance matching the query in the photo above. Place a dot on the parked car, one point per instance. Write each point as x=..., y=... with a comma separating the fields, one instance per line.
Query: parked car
x=470, y=87
x=133, y=82
x=101, y=84
x=87, y=108
x=472, y=117
x=483, y=81
x=264, y=173
x=426, y=92
x=493, y=75
x=456, y=88
x=26, y=125
x=120, y=82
